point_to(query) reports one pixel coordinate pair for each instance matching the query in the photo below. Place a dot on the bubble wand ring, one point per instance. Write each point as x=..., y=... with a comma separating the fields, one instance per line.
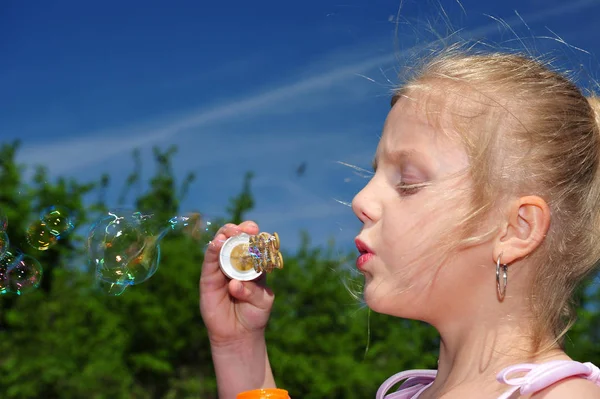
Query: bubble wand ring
x=245, y=257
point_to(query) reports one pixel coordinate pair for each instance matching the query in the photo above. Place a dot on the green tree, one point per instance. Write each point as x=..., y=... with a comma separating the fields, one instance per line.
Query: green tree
x=582, y=342
x=58, y=341
x=70, y=340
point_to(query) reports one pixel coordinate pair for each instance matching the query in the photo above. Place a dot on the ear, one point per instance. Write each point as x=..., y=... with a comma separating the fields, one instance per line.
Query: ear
x=527, y=223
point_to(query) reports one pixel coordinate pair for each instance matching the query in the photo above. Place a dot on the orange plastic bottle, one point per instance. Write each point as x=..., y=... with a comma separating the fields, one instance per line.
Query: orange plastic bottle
x=270, y=393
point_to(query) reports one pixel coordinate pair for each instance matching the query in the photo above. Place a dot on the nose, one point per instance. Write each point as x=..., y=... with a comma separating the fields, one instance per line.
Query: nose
x=365, y=204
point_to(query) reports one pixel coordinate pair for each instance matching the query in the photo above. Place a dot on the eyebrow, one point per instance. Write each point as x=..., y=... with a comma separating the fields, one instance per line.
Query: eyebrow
x=396, y=157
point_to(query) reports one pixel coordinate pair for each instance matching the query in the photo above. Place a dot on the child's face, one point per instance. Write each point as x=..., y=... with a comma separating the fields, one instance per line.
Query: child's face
x=402, y=226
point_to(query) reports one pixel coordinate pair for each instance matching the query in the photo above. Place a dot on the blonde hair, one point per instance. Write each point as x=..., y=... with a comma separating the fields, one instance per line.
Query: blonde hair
x=528, y=130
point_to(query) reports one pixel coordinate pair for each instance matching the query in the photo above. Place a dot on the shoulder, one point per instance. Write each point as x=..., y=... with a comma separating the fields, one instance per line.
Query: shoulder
x=573, y=387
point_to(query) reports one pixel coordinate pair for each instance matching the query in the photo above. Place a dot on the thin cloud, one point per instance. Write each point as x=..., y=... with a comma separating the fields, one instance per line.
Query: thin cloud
x=98, y=146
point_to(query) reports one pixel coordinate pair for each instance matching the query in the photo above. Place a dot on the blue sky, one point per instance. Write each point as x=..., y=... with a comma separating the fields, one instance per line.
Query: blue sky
x=237, y=86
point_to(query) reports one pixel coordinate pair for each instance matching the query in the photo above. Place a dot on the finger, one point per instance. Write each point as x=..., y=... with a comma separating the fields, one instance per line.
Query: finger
x=215, y=245
x=225, y=232
x=213, y=248
x=229, y=230
x=261, y=281
x=252, y=293
x=249, y=227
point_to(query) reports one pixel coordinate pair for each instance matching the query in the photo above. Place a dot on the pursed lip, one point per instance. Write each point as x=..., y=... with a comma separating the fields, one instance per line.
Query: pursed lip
x=362, y=247
x=366, y=254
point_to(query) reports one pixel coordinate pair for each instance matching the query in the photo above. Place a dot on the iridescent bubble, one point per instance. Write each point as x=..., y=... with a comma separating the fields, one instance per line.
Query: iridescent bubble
x=57, y=220
x=193, y=224
x=11, y=257
x=4, y=287
x=3, y=221
x=24, y=275
x=123, y=247
x=143, y=266
x=112, y=289
x=137, y=269
x=4, y=243
x=39, y=236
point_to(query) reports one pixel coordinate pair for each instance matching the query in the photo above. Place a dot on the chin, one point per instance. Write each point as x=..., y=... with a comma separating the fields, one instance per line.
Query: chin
x=376, y=301
x=384, y=302
x=379, y=305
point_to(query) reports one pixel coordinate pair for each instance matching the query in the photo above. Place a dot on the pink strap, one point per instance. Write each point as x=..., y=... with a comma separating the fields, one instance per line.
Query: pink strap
x=537, y=378
x=541, y=376
x=416, y=382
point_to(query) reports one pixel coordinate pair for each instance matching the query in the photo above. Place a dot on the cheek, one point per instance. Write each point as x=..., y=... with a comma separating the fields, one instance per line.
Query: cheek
x=410, y=232
x=414, y=240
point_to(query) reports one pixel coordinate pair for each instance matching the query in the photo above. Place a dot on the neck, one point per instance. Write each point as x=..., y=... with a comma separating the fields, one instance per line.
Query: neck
x=471, y=356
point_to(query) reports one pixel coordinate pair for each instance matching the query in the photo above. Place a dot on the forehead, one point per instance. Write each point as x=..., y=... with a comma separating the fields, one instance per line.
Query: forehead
x=411, y=129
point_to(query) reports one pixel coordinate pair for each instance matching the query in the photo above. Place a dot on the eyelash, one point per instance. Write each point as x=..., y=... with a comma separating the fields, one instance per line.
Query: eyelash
x=403, y=188
x=409, y=189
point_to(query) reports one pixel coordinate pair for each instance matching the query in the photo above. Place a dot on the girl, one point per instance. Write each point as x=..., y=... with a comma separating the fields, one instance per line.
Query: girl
x=482, y=217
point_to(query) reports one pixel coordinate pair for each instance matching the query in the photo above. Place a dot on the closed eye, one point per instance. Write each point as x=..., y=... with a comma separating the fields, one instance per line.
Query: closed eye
x=407, y=189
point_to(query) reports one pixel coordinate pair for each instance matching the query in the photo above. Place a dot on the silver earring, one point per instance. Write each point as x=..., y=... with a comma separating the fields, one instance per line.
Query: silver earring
x=501, y=287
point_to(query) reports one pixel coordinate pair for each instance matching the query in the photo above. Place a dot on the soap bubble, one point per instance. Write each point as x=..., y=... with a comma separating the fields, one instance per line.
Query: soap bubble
x=53, y=224
x=136, y=270
x=112, y=289
x=11, y=257
x=193, y=224
x=143, y=266
x=19, y=273
x=3, y=220
x=4, y=287
x=24, y=275
x=39, y=236
x=57, y=220
x=123, y=247
x=4, y=243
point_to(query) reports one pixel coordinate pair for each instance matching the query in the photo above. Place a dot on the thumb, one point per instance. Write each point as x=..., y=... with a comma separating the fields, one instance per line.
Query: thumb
x=249, y=291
